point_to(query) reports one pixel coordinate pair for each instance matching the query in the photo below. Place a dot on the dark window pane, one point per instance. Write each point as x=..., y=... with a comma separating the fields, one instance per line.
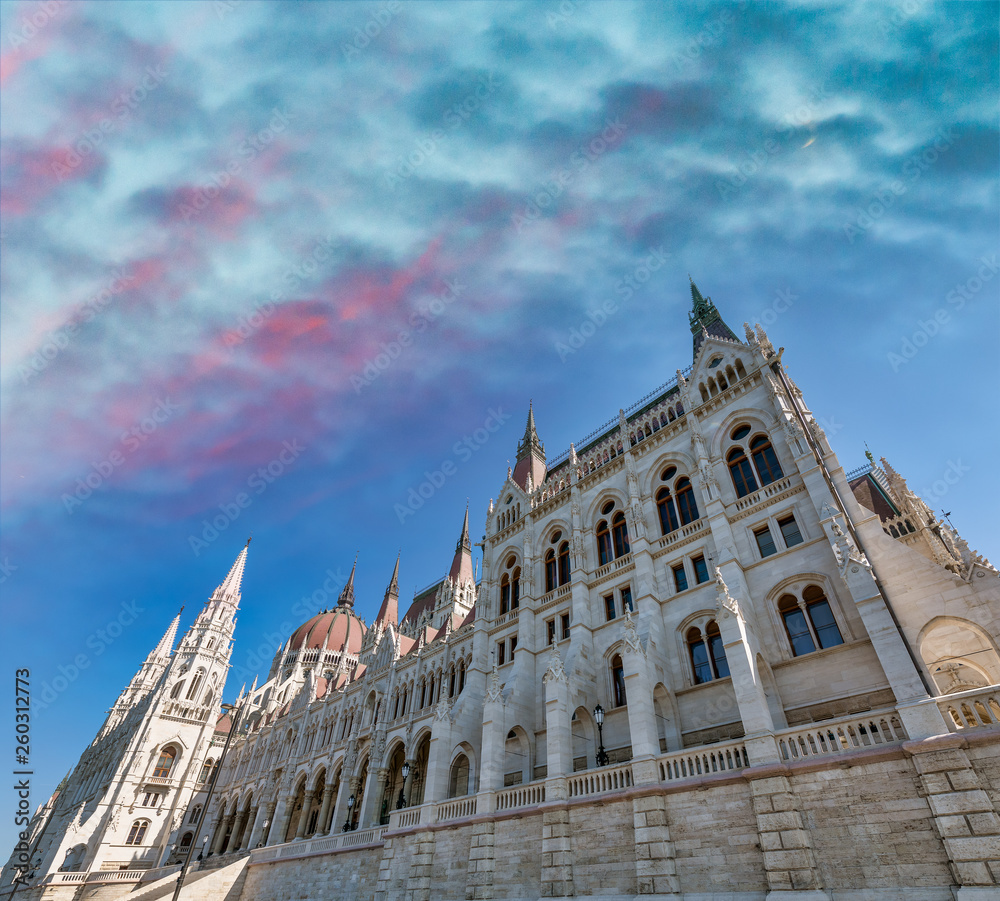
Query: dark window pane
x=680, y=577
x=551, y=628
x=767, y=464
x=765, y=543
x=565, y=625
x=618, y=679
x=699, y=662
x=604, y=547
x=700, y=570
x=718, y=656
x=743, y=478
x=790, y=531
x=609, y=606
x=627, y=599
x=798, y=632
x=668, y=513
x=825, y=625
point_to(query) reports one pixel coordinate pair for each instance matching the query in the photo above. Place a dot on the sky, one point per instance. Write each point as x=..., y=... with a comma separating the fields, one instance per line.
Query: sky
x=295, y=270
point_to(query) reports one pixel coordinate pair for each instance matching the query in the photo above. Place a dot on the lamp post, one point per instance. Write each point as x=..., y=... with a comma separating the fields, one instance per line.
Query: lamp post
x=350, y=807
x=401, y=803
x=211, y=789
x=602, y=755
x=201, y=853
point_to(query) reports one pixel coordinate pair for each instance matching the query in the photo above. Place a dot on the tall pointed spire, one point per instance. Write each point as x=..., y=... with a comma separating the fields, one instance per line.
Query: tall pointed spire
x=705, y=319
x=230, y=587
x=530, y=454
x=166, y=645
x=461, y=566
x=389, y=611
x=346, y=598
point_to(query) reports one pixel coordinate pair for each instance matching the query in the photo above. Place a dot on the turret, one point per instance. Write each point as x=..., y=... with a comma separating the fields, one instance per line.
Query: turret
x=705, y=319
x=530, y=467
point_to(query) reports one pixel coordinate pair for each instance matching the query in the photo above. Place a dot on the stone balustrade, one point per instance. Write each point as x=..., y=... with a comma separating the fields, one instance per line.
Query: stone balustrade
x=974, y=709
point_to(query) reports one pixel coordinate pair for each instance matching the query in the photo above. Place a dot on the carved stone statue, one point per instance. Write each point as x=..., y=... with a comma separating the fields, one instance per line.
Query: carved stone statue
x=555, y=672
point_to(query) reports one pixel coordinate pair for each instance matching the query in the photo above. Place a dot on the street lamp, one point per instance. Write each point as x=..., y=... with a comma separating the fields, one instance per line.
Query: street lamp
x=350, y=807
x=401, y=803
x=211, y=788
x=602, y=755
x=201, y=853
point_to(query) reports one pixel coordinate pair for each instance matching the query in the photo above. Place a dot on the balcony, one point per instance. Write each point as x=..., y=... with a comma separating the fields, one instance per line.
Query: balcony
x=975, y=709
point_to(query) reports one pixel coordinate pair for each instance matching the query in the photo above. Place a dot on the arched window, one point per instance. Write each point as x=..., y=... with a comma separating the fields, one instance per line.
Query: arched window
x=176, y=693
x=165, y=762
x=716, y=650
x=765, y=459
x=809, y=622
x=195, y=684
x=451, y=682
x=459, y=781
x=708, y=655
x=515, y=589
x=700, y=666
x=603, y=543
x=619, y=534
x=618, y=682
x=564, y=563
x=186, y=840
x=504, y=595
x=195, y=813
x=550, y=570
x=686, y=504
x=137, y=833
x=461, y=676
x=741, y=471
x=668, y=512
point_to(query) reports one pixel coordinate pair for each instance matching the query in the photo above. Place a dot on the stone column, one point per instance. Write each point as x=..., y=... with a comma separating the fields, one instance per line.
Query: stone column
x=491, y=755
x=557, y=854
x=242, y=820
x=963, y=814
x=655, y=857
x=323, y=824
x=307, y=800
x=788, y=856
x=436, y=785
x=251, y=829
x=340, y=805
x=558, y=729
x=257, y=835
x=641, y=715
x=921, y=717
x=482, y=862
x=741, y=647
x=221, y=837
x=373, y=798
x=217, y=827
x=277, y=836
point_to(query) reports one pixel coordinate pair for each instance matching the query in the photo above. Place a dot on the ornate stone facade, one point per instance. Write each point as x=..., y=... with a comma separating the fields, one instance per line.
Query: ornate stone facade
x=798, y=672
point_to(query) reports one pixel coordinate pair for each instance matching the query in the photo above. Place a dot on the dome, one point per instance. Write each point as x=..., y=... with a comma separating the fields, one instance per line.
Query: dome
x=337, y=630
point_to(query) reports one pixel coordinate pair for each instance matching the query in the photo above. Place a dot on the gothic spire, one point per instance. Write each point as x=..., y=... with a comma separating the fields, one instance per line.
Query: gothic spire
x=166, y=644
x=461, y=566
x=530, y=454
x=230, y=587
x=705, y=319
x=389, y=611
x=346, y=598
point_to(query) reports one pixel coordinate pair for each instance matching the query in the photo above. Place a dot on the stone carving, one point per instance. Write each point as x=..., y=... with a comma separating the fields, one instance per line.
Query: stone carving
x=494, y=691
x=764, y=342
x=630, y=634
x=845, y=549
x=725, y=602
x=793, y=431
x=572, y=455
x=555, y=672
x=707, y=472
x=442, y=712
x=751, y=337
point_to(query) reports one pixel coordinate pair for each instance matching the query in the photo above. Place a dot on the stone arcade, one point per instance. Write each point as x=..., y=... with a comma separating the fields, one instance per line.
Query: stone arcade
x=792, y=674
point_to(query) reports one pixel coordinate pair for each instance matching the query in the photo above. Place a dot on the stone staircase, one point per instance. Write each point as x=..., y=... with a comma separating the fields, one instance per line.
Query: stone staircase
x=220, y=880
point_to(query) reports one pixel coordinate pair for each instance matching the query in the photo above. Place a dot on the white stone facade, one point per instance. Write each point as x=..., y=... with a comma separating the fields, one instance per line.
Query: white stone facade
x=750, y=630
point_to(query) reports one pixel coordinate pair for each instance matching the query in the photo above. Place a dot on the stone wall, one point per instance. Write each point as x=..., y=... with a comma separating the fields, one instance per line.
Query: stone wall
x=862, y=829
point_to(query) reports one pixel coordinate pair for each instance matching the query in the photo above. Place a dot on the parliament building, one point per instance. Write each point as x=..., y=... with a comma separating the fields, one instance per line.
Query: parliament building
x=701, y=662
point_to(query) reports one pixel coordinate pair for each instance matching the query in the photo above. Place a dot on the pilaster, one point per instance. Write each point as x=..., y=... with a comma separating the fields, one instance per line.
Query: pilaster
x=963, y=815
x=557, y=854
x=655, y=863
x=482, y=862
x=784, y=840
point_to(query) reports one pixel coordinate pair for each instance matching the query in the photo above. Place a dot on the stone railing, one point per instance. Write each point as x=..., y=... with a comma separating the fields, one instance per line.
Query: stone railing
x=762, y=494
x=326, y=844
x=613, y=566
x=972, y=709
x=455, y=810
x=699, y=525
x=408, y=817
x=63, y=878
x=703, y=761
x=840, y=736
x=521, y=796
x=599, y=781
x=160, y=872
x=507, y=617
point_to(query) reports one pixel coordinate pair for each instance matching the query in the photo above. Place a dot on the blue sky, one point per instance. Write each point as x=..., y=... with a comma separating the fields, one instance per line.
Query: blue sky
x=334, y=239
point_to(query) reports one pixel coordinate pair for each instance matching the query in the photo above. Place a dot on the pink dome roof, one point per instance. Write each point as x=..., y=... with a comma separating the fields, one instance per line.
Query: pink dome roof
x=338, y=629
